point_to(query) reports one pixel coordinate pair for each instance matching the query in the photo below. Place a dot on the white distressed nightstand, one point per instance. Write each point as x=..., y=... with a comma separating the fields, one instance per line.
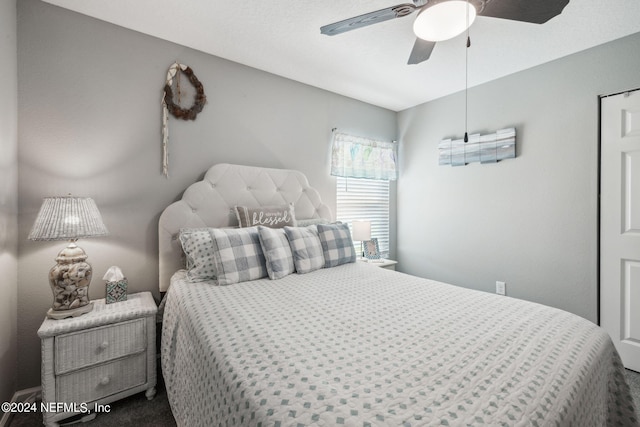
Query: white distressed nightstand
x=389, y=264
x=99, y=357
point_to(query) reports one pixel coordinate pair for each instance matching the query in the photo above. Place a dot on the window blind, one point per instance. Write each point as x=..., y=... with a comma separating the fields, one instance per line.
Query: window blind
x=365, y=199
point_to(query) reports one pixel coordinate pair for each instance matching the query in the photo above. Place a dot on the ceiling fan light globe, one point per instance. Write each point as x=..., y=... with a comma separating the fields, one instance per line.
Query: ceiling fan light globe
x=444, y=21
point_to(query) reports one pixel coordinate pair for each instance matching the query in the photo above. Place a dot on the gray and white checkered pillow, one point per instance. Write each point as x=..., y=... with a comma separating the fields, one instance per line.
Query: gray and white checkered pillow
x=237, y=255
x=277, y=252
x=337, y=245
x=306, y=248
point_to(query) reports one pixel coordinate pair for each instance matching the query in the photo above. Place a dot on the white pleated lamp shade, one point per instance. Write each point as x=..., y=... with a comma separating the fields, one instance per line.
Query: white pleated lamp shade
x=68, y=218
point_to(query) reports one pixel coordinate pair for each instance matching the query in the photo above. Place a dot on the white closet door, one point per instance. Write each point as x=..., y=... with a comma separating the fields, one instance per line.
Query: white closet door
x=620, y=224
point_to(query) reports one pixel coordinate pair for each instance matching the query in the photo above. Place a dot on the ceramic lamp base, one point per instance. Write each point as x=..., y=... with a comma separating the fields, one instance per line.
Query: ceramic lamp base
x=74, y=312
x=69, y=280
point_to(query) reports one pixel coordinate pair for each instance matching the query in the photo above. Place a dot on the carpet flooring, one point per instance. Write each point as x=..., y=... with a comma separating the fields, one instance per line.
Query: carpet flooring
x=138, y=411
x=134, y=410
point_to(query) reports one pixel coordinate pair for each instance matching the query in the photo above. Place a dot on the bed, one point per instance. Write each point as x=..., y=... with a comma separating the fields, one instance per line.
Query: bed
x=358, y=345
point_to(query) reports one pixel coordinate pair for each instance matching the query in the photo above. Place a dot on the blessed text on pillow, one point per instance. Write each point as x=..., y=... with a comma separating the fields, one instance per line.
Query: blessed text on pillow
x=267, y=216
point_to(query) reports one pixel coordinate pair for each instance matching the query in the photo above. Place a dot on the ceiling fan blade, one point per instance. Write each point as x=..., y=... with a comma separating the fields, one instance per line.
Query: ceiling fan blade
x=536, y=12
x=368, y=19
x=421, y=51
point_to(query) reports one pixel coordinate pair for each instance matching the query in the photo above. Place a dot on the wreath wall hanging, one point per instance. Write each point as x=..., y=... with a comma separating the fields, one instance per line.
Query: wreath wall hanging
x=170, y=105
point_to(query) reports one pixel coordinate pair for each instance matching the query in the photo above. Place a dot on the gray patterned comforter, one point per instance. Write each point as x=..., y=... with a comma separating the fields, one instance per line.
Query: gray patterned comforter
x=358, y=345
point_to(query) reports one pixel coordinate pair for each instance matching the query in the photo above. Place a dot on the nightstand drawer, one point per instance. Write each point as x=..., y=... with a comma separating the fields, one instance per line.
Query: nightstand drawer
x=101, y=381
x=85, y=348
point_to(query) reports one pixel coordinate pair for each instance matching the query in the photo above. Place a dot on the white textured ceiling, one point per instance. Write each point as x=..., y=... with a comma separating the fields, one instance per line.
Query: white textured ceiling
x=369, y=64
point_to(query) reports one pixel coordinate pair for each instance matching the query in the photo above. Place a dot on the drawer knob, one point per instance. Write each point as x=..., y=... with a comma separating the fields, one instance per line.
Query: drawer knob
x=105, y=380
x=104, y=345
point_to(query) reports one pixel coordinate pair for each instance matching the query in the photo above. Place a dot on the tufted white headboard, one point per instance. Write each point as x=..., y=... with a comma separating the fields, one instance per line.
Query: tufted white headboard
x=209, y=203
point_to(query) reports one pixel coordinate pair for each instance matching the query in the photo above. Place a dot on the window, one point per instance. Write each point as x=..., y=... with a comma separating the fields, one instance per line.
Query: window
x=365, y=199
x=363, y=168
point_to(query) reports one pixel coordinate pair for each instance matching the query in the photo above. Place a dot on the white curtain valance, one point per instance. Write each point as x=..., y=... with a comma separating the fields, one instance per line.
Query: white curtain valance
x=357, y=157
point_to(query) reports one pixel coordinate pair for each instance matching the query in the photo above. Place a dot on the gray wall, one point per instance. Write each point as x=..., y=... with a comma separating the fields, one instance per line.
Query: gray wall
x=529, y=221
x=90, y=113
x=89, y=108
x=8, y=198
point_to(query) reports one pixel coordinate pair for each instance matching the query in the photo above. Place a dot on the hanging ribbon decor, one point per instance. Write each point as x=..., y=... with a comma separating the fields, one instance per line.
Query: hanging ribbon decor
x=173, y=107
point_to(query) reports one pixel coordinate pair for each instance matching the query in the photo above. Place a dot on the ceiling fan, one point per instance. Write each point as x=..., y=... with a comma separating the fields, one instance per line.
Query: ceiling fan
x=440, y=20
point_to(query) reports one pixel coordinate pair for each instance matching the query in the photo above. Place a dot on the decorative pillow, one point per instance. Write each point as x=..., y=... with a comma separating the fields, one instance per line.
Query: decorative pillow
x=337, y=246
x=198, y=250
x=237, y=255
x=277, y=252
x=306, y=248
x=268, y=216
x=228, y=255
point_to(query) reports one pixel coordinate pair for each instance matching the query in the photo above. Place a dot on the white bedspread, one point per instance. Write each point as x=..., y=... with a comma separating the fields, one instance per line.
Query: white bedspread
x=358, y=345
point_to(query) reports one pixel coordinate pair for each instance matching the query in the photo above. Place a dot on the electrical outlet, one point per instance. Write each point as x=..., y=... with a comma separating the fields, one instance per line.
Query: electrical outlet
x=501, y=288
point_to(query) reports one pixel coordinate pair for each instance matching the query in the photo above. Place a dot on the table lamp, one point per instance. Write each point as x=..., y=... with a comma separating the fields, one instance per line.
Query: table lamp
x=69, y=218
x=361, y=232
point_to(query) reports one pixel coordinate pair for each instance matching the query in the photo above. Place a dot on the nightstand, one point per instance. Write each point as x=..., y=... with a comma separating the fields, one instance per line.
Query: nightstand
x=389, y=264
x=99, y=357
